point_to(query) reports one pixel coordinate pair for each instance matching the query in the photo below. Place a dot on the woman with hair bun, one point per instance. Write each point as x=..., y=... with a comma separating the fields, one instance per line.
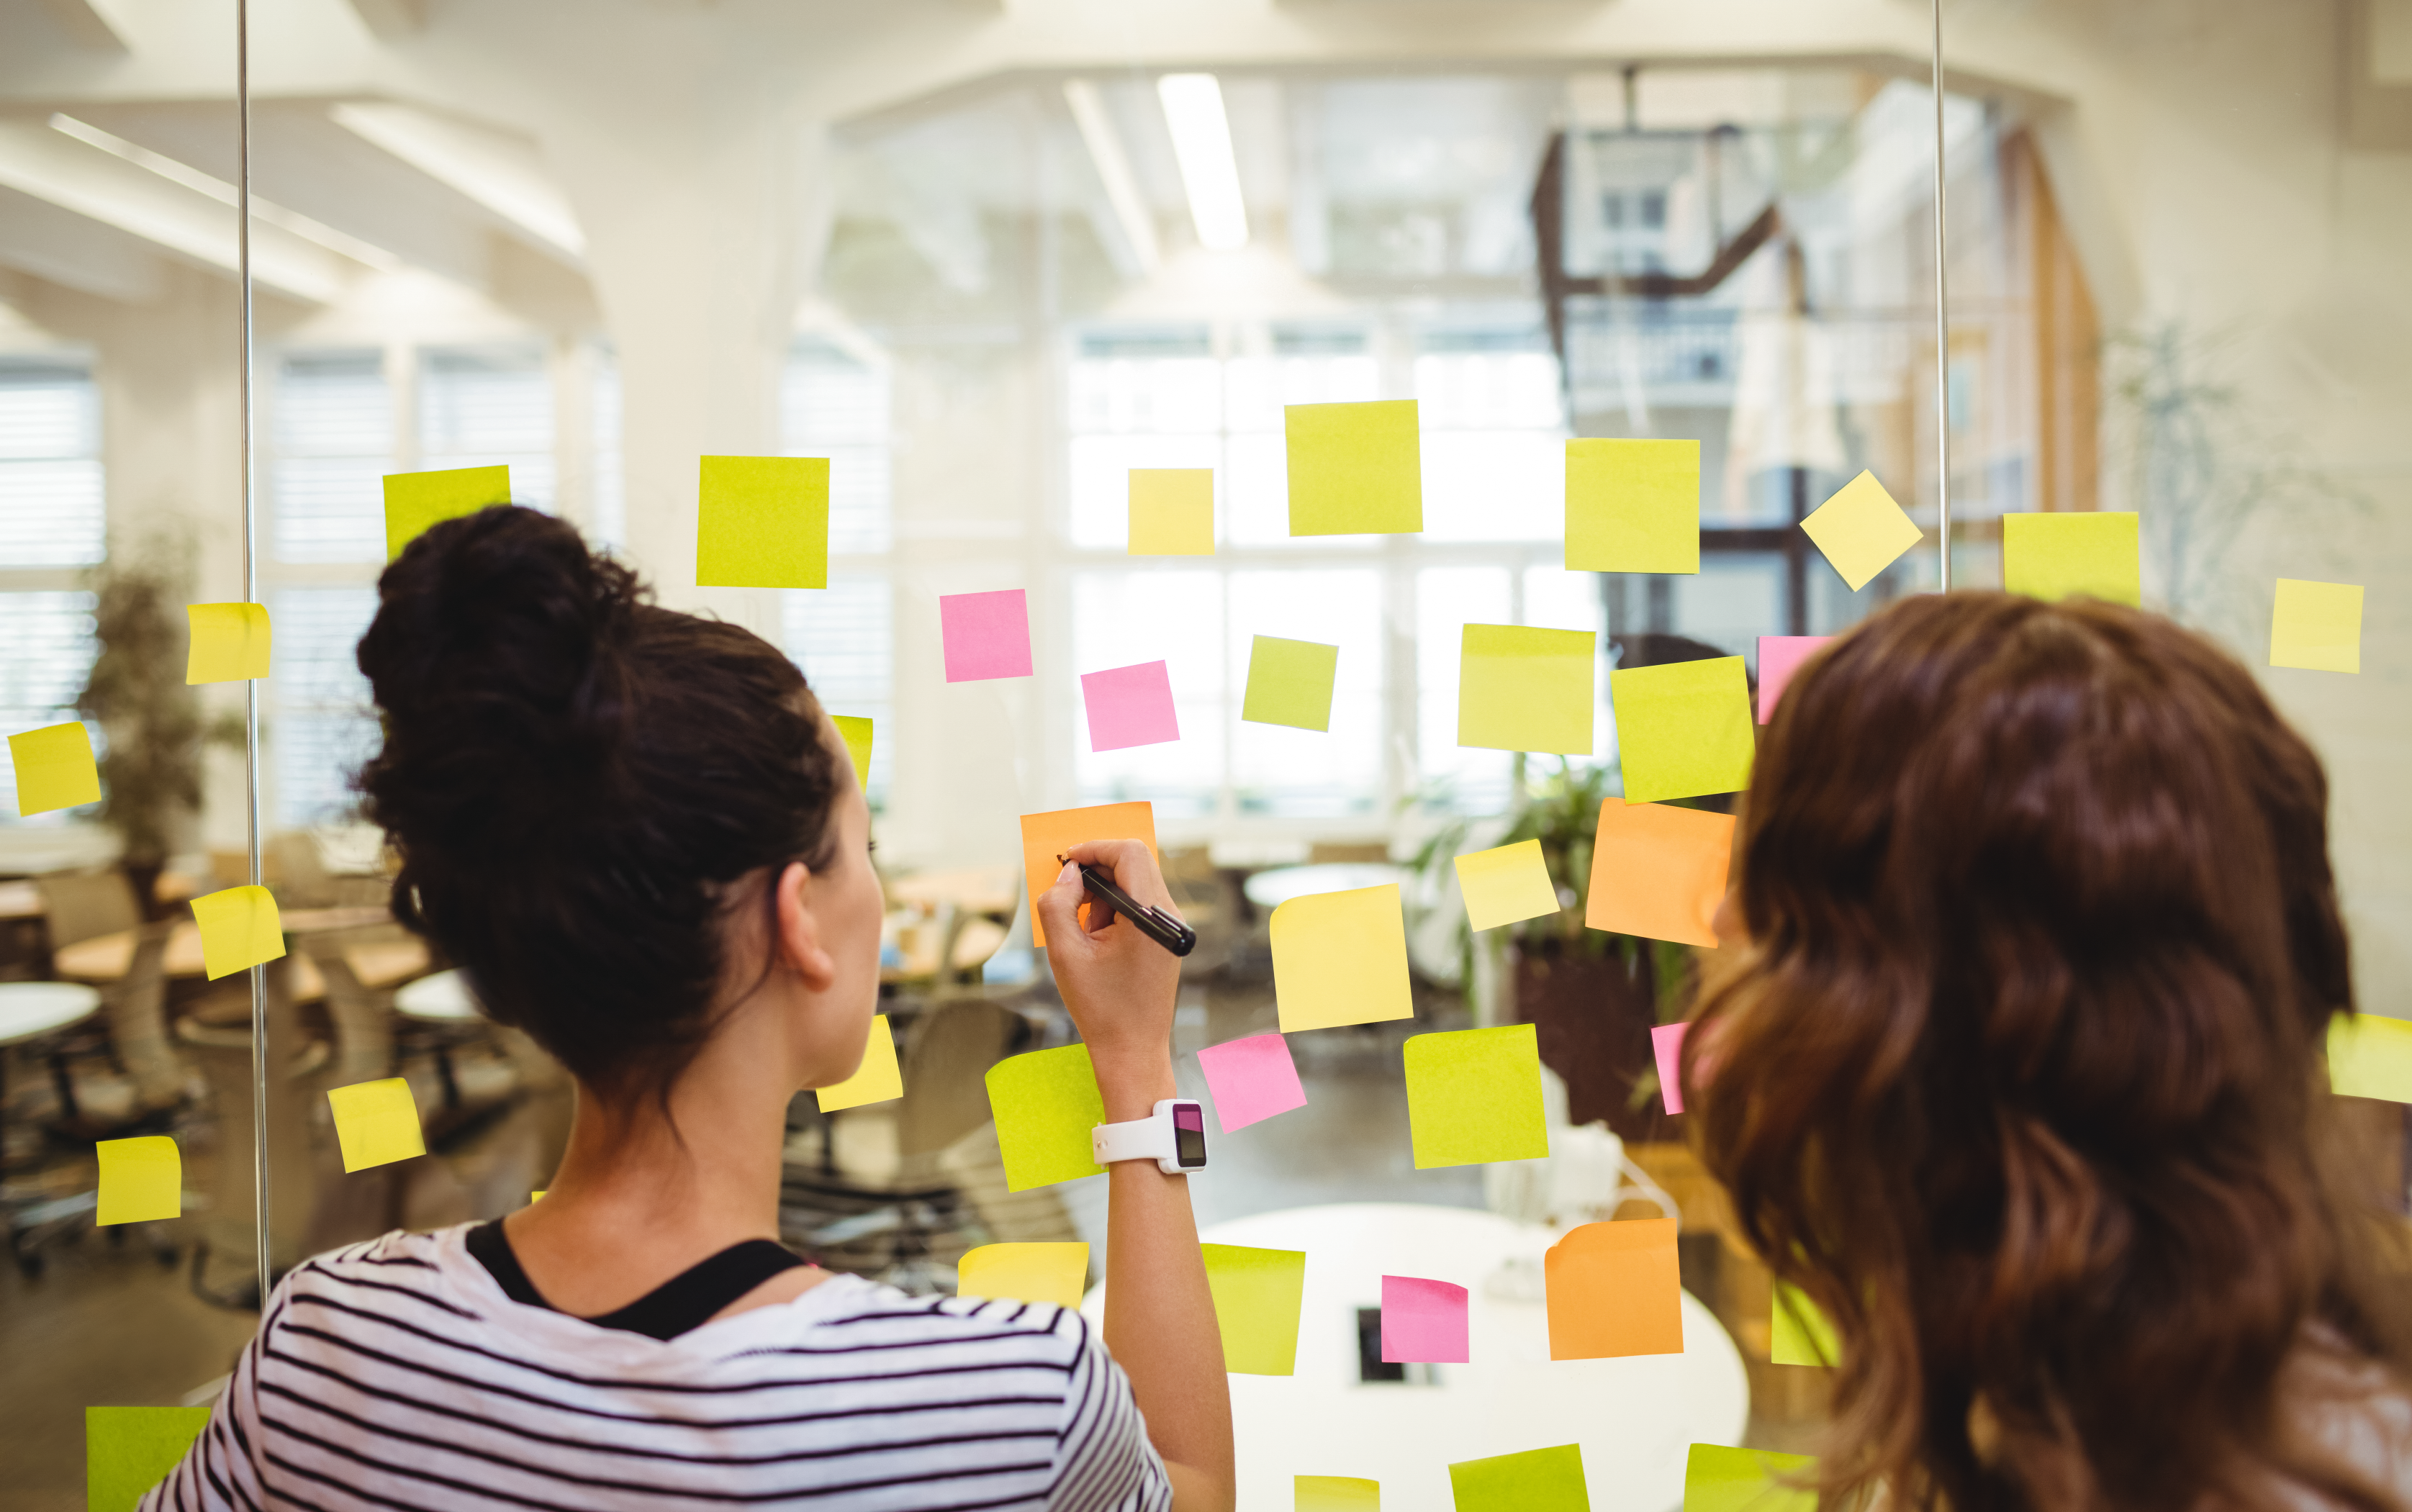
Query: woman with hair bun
x=639, y=834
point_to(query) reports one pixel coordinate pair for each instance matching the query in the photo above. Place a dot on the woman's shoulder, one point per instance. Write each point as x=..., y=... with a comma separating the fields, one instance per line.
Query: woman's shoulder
x=2350, y=1410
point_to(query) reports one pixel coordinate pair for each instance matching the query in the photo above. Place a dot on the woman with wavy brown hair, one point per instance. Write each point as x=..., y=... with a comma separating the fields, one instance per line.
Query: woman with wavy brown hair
x=2012, y=1063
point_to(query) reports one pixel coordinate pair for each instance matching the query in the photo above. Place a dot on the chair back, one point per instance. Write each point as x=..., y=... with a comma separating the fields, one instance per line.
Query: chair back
x=225, y=1056
x=82, y=905
x=307, y=883
x=363, y=1022
x=136, y=1008
x=946, y=1067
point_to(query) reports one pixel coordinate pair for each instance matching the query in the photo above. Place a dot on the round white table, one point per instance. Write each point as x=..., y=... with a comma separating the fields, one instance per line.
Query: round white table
x=1636, y=1417
x=29, y=1010
x=443, y=998
x=1271, y=889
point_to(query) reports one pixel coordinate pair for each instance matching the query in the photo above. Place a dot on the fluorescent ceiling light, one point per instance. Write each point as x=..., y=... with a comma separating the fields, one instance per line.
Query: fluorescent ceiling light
x=1114, y=171
x=1202, y=140
x=497, y=171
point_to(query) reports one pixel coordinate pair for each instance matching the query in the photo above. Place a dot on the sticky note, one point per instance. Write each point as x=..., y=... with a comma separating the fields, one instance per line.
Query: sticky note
x=1613, y=1290
x=1045, y=1103
x=1355, y=468
x=1536, y=1480
x=762, y=522
x=1658, y=872
x=1797, y=1332
x=2316, y=625
x=240, y=929
x=1046, y=836
x=414, y=501
x=2057, y=555
x=376, y=1122
x=141, y=1179
x=1683, y=729
x=1129, y=706
x=534, y=1197
x=1525, y=689
x=127, y=1450
x=1779, y=657
x=1336, y=1494
x=1252, y=1080
x=229, y=642
x=855, y=731
x=2371, y=1057
x=1341, y=958
x=54, y=769
x=1424, y=1322
x=1506, y=883
x=1171, y=511
x=1051, y=1272
x=1257, y=1298
x=876, y=1080
x=1721, y=1479
x=1860, y=530
x=1633, y=505
x=1666, y=1048
x=1474, y=1095
x=985, y=635
x=1289, y=682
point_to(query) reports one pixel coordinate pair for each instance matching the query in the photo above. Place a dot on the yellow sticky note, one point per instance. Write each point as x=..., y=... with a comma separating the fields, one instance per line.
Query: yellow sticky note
x=1289, y=682
x=1336, y=1494
x=1721, y=1479
x=2095, y=552
x=127, y=1450
x=1053, y=1272
x=1862, y=530
x=1799, y=1334
x=141, y=1179
x=54, y=769
x=1506, y=883
x=229, y=642
x=1045, y=1103
x=2371, y=1057
x=376, y=1122
x=1257, y=1296
x=240, y=929
x=762, y=522
x=535, y=1197
x=876, y=1080
x=1683, y=729
x=1171, y=511
x=1523, y=689
x=855, y=731
x=1633, y=505
x=414, y=501
x=1355, y=468
x=2316, y=625
x=1341, y=958
x=1474, y=1095
x=1536, y=1480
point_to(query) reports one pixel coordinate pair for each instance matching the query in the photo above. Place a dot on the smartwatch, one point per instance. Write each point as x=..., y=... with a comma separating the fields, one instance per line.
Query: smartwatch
x=1175, y=1136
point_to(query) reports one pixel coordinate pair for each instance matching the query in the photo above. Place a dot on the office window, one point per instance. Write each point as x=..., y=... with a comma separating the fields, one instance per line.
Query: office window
x=1493, y=437
x=323, y=724
x=844, y=638
x=51, y=651
x=610, y=501
x=479, y=406
x=332, y=443
x=834, y=404
x=52, y=509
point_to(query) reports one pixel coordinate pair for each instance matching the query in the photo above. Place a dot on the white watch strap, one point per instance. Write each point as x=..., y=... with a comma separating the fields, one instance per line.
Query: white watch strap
x=1146, y=1138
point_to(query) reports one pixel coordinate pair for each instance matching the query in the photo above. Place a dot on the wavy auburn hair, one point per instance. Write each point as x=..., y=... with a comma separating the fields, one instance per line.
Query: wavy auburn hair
x=2018, y=1075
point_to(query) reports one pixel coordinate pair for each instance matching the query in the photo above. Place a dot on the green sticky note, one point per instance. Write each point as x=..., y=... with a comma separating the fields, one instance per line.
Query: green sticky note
x=127, y=1450
x=1355, y=469
x=1336, y=1493
x=414, y=501
x=1801, y=1335
x=1721, y=1479
x=1257, y=1298
x=1633, y=505
x=1289, y=682
x=141, y=1179
x=1045, y=1103
x=2371, y=1057
x=855, y=731
x=1536, y=1480
x=2095, y=552
x=1523, y=689
x=2316, y=625
x=1474, y=1095
x=54, y=769
x=762, y=522
x=1683, y=729
x=229, y=642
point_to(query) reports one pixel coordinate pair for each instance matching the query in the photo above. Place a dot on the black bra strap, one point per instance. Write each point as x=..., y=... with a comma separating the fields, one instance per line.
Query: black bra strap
x=686, y=1300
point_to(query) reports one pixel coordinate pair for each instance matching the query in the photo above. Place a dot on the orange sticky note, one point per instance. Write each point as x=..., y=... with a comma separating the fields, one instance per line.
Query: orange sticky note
x=1658, y=872
x=1613, y=1290
x=1046, y=836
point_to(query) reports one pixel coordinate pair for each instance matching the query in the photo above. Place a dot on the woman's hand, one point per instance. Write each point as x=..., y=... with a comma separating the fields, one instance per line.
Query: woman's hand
x=1118, y=983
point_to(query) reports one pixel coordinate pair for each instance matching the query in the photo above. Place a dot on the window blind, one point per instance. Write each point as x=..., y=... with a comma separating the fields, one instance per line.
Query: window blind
x=843, y=637
x=52, y=508
x=324, y=728
x=50, y=649
x=832, y=404
x=334, y=444
x=482, y=407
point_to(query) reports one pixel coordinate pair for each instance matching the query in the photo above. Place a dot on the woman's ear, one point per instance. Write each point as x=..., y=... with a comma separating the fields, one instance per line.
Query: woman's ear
x=798, y=937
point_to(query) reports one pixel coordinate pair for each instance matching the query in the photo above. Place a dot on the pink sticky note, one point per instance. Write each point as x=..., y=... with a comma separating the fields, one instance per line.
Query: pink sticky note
x=1129, y=706
x=1779, y=657
x=1422, y=1321
x=1666, y=1041
x=987, y=635
x=1251, y=1079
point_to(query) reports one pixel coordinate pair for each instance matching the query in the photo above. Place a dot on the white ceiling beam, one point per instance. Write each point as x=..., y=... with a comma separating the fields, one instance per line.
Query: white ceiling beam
x=504, y=173
x=38, y=238
x=392, y=20
x=84, y=25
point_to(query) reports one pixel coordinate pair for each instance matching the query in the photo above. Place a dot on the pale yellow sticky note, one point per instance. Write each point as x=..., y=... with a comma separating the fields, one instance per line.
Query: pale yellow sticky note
x=762, y=522
x=1525, y=689
x=54, y=769
x=1474, y=1095
x=2095, y=552
x=536, y=1196
x=1341, y=958
x=1799, y=1333
x=376, y=1122
x=1862, y=530
x=414, y=501
x=1336, y=1493
x=876, y=1080
x=1633, y=505
x=2316, y=625
x=855, y=731
x=229, y=642
x=141, y=1179
x=1683, y=729
x=1257, y=1298
x=1050, y=1272
x=2371, y=1057
x=1045, y=1103
x=1171, y=511
x=1355, y=468
x=239, y=928
x=1506, y=883
x=1289, y=682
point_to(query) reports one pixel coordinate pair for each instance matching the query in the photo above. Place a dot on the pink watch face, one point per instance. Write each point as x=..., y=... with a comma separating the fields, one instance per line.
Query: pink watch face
x=1188, y=1136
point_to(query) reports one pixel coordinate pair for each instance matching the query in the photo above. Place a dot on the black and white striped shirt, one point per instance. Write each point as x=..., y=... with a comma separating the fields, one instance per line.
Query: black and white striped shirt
x=395, y=1374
